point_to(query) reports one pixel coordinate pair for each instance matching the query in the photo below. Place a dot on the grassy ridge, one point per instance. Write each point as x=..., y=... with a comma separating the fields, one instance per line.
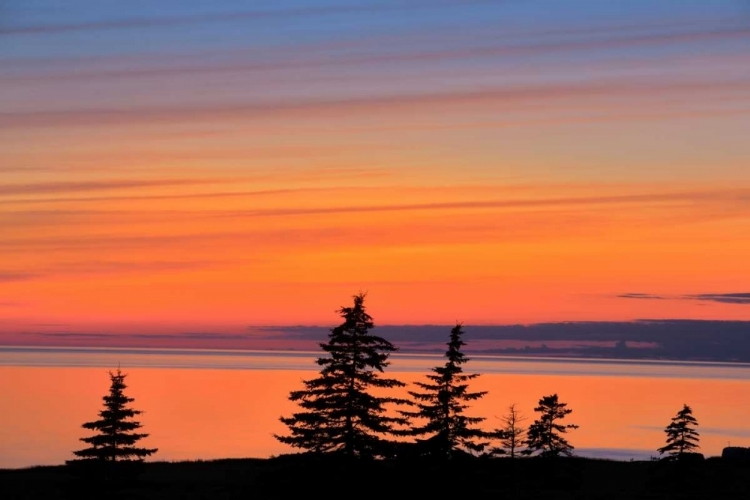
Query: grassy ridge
x=295, y=477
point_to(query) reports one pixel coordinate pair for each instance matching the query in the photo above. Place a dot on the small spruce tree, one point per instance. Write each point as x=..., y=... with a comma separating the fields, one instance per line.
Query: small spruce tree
x=115, y=439
x=512, y=434
x=442, y=404
x=682, y=437
x=545, y=434
x=339, y=412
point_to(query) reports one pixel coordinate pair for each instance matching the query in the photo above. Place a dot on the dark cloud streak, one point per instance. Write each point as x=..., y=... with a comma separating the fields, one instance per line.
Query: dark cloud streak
x=740, y=298
x=724, y=298
x=646, y=296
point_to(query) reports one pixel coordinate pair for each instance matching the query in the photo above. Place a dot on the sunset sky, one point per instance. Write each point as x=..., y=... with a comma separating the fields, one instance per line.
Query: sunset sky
x=176, y=164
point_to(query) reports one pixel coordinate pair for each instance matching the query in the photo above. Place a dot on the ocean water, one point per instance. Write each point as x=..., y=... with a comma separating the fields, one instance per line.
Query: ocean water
x=204, y=404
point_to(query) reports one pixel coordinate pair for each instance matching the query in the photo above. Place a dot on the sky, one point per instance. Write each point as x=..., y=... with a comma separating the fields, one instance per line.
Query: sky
x=177, y=164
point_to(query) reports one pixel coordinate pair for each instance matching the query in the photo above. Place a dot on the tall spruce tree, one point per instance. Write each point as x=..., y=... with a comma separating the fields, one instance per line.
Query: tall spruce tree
x=545, y=435
x=116, y=438
x=682, y=438
x=449, y=432
x=340, y=414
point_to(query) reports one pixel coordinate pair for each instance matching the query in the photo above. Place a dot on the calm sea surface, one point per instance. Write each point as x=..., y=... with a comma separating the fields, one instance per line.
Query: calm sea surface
x=204, y=404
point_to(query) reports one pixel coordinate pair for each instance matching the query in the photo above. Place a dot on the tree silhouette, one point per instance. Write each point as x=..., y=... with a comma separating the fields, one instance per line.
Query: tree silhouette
x=545, y=434
x=512, y=434
x=682, y=437
x=442, y=406
x=339, y=413
x=115, y=440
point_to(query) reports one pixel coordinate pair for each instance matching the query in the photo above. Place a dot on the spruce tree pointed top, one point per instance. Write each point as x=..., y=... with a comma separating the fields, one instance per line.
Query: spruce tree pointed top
x=448, y=431
x=454, y=353
x=682, y=437
x=545, y=434
x=338, y=413
x=116, y=438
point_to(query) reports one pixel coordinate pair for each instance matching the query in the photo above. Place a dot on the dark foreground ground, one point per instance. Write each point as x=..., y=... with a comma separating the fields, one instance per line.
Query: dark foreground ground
x=288, y=477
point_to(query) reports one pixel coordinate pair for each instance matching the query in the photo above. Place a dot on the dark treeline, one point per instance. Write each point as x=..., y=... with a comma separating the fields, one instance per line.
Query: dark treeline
x=351, y=409
x=360, y=432
x=339, y=412
x=330, y=477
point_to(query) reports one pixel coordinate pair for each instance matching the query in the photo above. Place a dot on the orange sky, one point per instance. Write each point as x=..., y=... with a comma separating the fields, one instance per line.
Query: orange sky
x=454, y=174
x=290, y=252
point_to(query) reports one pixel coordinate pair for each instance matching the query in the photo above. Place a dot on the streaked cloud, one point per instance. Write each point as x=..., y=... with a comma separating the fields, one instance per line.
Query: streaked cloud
x=583, y=40
x=554, y=202
x=725, y=298
x=725, y=431
x=646, y=296
x=103, y=268
x=221, y=17
x=742, y=298
x=7, y=276
x=107, y=185
x=507, y=97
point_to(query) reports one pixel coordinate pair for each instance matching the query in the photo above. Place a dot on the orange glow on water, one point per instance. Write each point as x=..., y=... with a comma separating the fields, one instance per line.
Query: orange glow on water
x=204, y=414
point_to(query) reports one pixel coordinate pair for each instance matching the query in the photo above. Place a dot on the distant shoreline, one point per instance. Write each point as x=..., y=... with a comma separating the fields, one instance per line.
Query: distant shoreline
x=677, y=340
x=405, y=353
